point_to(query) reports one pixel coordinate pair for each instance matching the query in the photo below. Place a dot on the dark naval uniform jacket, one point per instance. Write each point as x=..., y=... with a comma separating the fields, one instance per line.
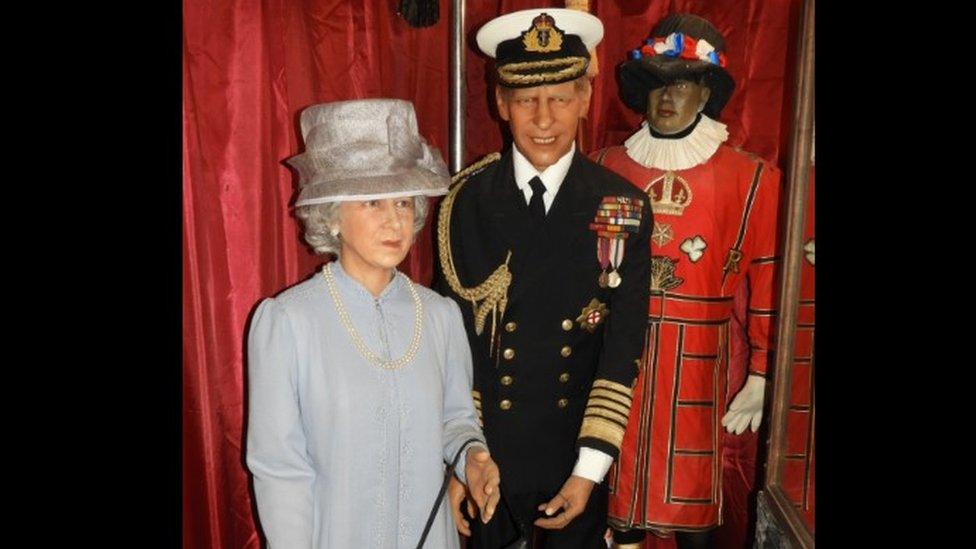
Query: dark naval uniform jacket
x=555, y=370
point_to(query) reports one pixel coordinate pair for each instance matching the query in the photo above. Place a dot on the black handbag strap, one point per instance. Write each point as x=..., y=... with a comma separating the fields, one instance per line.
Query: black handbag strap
x=523, y=539
x=440, y=495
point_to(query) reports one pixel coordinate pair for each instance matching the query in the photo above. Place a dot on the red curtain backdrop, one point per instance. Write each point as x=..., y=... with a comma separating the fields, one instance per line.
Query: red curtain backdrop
x=250, y=67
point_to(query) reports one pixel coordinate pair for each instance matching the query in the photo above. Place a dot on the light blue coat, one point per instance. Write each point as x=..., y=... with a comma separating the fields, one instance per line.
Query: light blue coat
x=343, y=452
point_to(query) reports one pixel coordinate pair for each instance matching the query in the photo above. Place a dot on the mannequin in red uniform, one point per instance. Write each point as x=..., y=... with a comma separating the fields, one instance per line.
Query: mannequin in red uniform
x=715, y=211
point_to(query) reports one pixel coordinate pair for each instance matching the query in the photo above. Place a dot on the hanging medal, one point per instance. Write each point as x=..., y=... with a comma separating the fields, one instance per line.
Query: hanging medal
x=616, y=218
x=616, y=257
x=603, y=255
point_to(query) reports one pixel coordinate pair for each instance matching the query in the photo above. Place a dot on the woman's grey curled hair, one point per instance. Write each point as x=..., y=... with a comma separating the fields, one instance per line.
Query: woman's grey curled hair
x=319, y=219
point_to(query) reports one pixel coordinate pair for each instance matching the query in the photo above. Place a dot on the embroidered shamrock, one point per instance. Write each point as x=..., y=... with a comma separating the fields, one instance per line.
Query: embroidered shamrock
x=694, y=248
x=808, y=248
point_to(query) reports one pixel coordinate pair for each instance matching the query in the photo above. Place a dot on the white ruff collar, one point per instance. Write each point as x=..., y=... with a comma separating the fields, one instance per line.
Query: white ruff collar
x=677, y=154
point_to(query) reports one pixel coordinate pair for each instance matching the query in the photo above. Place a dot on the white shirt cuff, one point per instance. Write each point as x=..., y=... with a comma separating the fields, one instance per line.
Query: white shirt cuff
x=592, y=464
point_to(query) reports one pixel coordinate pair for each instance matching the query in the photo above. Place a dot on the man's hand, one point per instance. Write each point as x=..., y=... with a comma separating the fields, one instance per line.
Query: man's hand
x=483, y=477
x=746, y=408
x=572, y=498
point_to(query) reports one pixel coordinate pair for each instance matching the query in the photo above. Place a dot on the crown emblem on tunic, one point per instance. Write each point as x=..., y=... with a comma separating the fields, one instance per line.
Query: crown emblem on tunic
x=670, y=194
x=543, y=36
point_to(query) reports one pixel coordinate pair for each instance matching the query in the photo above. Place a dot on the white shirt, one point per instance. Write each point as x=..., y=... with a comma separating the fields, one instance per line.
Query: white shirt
x=591, y=464
x=552, y=177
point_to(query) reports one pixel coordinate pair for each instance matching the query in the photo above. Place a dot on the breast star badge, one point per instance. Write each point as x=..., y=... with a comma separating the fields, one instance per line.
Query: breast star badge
x=592, y=315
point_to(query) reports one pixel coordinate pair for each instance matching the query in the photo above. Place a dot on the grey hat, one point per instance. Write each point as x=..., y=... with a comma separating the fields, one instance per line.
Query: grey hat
x=364, y=150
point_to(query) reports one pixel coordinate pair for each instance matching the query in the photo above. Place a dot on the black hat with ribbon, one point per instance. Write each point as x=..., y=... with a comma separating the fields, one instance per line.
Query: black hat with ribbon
x=681, y=47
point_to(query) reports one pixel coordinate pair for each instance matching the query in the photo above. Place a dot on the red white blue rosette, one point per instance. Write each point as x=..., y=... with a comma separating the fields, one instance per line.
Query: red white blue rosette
x=678, y=45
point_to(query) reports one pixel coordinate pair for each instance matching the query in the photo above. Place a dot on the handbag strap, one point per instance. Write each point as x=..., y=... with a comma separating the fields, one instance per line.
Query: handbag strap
x=511, y=515
x=440, y=495
x=523, y=539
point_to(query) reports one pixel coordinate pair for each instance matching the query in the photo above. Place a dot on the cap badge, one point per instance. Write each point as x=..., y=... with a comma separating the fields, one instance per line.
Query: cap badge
x=544, y=36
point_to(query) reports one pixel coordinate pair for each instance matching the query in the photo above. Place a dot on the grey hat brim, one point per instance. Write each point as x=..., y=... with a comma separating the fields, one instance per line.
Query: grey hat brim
x=412, y=183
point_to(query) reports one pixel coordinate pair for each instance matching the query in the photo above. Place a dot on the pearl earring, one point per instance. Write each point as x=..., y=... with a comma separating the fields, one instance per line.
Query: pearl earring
x=335, y=232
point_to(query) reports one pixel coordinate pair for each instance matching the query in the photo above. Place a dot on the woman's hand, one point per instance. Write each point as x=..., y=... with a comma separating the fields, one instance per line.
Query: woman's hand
x=456, y=493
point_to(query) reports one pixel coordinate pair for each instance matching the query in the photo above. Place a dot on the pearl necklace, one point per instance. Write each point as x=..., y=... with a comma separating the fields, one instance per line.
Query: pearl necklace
x=358, y=341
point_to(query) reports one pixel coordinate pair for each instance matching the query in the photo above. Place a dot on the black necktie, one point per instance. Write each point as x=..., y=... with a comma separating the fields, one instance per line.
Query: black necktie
x=537, y=210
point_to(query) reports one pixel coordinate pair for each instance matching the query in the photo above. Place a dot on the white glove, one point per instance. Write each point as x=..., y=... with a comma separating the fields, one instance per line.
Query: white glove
x=746, y=407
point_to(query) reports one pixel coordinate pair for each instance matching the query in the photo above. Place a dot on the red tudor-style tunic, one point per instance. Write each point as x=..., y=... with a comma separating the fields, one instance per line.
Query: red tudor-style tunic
x=715, y=228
